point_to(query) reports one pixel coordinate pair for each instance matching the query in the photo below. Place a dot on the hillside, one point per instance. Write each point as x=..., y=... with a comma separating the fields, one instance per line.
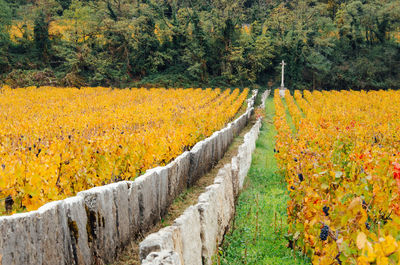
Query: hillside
x=334, y=44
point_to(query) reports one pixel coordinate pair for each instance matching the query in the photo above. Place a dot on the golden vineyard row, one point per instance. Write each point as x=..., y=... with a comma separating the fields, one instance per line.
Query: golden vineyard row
x=342, y=168
x=55, y=142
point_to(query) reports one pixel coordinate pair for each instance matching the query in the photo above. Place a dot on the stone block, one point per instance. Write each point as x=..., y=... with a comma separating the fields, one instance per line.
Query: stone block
x=133, y=209
x=55, y=241
x=163, y=258
x=189, y=228
x=250, y=112
x=230, y=135
x=244, y=159
x=239, y=124
x=224, y=140
x=148, y=197
x=173, y=182
x=20, y=239
x=218, y=152
x=235, y=175
x=121, y=204
x=214, y=148
x=210, y=219
x=207, y=156
x=196, y=165
x=183, y=162
x=101, y=222
x=168, y=238
x=78, y=250
x=162, y=192
x=226, y=196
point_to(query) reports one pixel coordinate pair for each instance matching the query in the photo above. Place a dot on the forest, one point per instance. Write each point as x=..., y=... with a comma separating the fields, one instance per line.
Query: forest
x=327, y=44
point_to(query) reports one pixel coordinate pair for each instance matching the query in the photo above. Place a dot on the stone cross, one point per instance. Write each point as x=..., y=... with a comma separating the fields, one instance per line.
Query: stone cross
x=282, y=88
x=283, y=74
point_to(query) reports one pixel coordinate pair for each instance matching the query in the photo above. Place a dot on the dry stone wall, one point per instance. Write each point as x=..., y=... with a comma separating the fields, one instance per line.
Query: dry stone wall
x=91, y=227
x=194, y=237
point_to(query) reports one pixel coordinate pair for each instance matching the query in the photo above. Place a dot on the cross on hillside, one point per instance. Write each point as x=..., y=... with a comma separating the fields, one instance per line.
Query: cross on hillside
x=283, y=74
x=282, y=88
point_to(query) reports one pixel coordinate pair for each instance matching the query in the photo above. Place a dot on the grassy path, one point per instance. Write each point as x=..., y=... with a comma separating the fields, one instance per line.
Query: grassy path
x=258, y=231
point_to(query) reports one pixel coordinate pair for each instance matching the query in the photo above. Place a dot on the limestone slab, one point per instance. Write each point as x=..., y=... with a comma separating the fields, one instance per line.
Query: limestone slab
x=168, y=238
x=133, y=209
x=183, y=162
x=148, y=197
x=162, y=188
x=101, y=222
x=20, y=243
x=163, y=258
x=121, y=204
x=189, y=227
x=55, y=242
x=210, y=218
x=75, y=211
x=196, y=165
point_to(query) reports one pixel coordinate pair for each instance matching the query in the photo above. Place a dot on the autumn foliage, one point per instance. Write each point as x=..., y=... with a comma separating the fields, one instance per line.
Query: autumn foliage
x=55, y=142
x=343, y=174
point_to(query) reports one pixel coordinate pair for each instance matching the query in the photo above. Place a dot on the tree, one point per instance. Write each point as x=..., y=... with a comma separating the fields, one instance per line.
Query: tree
x=41, y=36
x=5, y=23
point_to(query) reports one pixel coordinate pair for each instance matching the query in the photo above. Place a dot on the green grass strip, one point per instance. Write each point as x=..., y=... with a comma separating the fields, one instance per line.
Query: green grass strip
x=257, y=235
x=289, y=118
x=298, y=106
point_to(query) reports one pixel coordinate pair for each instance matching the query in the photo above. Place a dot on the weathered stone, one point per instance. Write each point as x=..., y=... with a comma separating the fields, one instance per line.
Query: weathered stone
x=168, y=238
x=173, y=182
x=218, y=152
x=214, y=148
x=210, y=219
x=101, y=223
x=207, y=156
x=162, y=192
x=235, y=176
x=196, y=165
x=76, y=214
x=163, y=258
x=223, y=140
x=189, y=227
x=153, y=243
x=134, y=209
x=149, y=203
x=230, y=135
x=20, y=240
x=54, y=241
x=224, y=177
x=250, y=112
x=183, y=162
x=121, y=203
x=239, y=124
x=243, y=164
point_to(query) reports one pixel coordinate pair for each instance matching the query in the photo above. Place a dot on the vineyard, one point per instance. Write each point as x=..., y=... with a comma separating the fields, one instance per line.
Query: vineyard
x=55, y=142
x=341, y=163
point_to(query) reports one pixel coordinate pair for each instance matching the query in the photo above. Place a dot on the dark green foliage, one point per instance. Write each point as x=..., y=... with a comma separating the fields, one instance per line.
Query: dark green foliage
x=41, y=36
x=326, y=44
x=5, y=22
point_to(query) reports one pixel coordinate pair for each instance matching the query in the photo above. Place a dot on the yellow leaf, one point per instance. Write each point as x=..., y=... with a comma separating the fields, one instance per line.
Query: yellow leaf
x=389, y=245
x=382, y=261
x=371, y=256
x=361, y=240
x=354, y=203
x=362, y=261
